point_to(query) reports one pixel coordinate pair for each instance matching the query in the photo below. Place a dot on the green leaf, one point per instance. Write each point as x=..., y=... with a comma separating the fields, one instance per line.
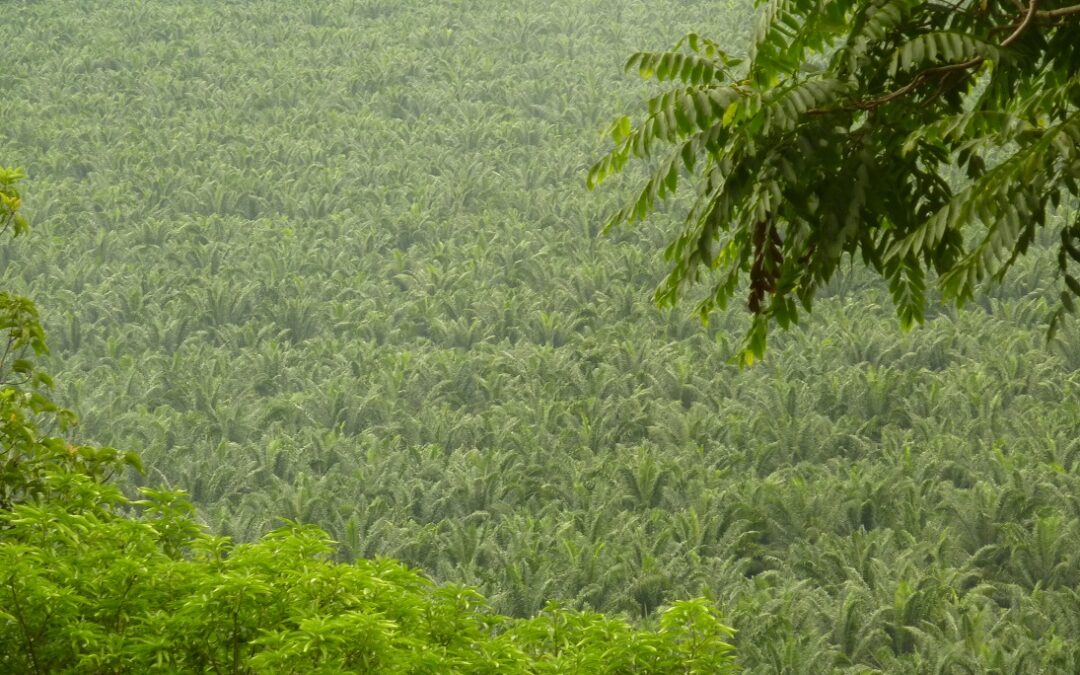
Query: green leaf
x=938, y=48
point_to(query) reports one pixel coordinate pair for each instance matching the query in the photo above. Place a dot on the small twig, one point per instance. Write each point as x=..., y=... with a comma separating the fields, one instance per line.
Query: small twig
x=1031, y=11
x=915, y=81
x=30, y=648
x=946, y=83
x=7, y=350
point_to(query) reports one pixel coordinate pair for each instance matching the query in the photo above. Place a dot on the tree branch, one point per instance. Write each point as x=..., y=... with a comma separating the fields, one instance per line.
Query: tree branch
x=870, y=104
x=1059, y=12
x=1031, y=11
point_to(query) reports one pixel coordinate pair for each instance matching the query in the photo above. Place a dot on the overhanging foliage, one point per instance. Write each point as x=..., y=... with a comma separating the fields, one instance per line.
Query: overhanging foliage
x=925, y=139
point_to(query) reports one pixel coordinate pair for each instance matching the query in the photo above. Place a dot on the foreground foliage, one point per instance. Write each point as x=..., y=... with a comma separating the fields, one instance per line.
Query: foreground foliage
x=90, y=587
x=919, y=137
x=332, y=262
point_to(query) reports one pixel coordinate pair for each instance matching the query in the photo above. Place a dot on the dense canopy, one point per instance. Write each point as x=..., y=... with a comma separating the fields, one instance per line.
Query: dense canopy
x=328, y=266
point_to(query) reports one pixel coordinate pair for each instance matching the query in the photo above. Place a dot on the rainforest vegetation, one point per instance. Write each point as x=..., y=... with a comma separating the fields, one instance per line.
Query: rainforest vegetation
x=328, y=278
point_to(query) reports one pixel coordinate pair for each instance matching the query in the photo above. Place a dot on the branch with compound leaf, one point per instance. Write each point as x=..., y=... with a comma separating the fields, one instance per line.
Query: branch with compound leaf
x=945, y=73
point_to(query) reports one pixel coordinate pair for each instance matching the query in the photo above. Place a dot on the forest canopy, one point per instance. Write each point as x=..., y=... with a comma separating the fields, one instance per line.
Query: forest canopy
x=928, y=140
x=329, y=267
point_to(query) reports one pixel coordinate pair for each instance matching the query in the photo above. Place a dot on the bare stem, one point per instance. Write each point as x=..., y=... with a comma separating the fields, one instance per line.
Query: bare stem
x=30, y=649
x=1059, y=12
x=1031, y=11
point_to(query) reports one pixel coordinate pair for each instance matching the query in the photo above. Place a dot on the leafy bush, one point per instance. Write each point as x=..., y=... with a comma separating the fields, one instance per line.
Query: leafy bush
x=91, y=589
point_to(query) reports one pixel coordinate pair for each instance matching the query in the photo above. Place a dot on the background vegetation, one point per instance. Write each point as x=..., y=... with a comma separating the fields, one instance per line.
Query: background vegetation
x=95, y=582
x=334, y=262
